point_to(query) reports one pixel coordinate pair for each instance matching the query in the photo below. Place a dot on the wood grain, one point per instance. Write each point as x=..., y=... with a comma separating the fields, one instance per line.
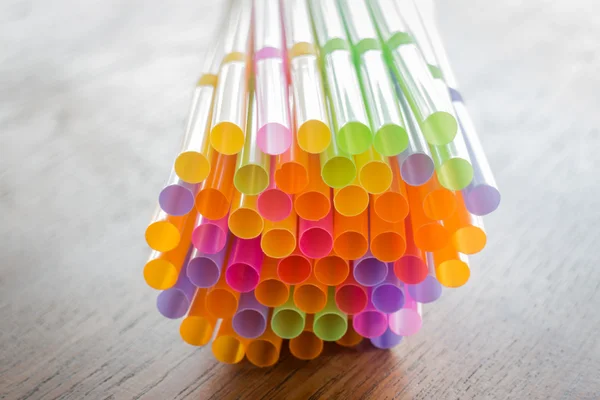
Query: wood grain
x=92, y=100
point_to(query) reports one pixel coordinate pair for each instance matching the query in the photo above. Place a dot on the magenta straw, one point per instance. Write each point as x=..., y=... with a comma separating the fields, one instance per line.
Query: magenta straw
x=316, y=237
x=386, y=341
x=204, y=270
x=370, y=322
x=174, y=302
x=250, y=320
x=387, y=297
x=177, y=197
x=430, y=289
x=369, y=271
x=210, y=236
x=274, y=204
x=407, y=321
x=245, y=262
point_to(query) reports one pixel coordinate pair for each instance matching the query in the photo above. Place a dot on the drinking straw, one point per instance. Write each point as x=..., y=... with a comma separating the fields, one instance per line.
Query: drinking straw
x=177, y=196
x=453, y=164
x=350, y=121
x=243, y=267
x=432, y=109
x=228, y=347
x=438, y=202
x=250, y=319
x=215, y=193
x=370, y=322
x=374, y=172
x=315, y=238
x=467, y=232
x=451, y=267
x=288, y=320
x=295, y=268
x=271, y=291
x=390, y=137
x=330, y=324
x=369, y=271
x=164, y=231
x=274, y=204
x=350, y=338
x=279, y=238
x=264, y=350
x=331, y=270
x=429, y=290
x=387, y=297
x=252, y=168
x=204, y=270
x=351, y=235
x=314, y=202
x=306, y=346
x=197, y=328
x=386, y=341
x=392, y=205
x=411, y=267
x=210, y=236
x=230, y=108
x=408, y=320
x=162, y=269
x=244, y=220
x=350, y=297
x=429, y=235
x=173, y=303
x=388, y=241
x=310, y=296
x=351, y=200
x=222, y=300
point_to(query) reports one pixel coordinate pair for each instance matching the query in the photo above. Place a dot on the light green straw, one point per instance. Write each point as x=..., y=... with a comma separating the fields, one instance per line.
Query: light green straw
x=288, y=321
x=330, y=324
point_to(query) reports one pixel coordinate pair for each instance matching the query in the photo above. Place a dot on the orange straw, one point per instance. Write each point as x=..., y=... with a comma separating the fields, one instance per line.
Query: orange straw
x=351, y=235
x=388, y=241
x=374, y=172
x=271, y=291
x=295, y=268
x=429, y=235
x=331, y=270
x=314, y=202
x=221, y=299
x=197, y=328
x=438, y=202
x=467, y=232
x=214, y=197
x=392, y=205
x=350, y=297
x=451, y=267
x=244, y=220
x=351, y=338
x=307, y=346
x=164, y=232
x=228, y=347
x=311, y=295
x=351, y=200
x=264, y=350
x=279, y=238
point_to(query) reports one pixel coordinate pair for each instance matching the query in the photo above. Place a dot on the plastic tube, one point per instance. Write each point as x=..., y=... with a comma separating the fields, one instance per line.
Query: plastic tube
x=250, y=319
x=264, y=350
x=222, y=300
x=331, y=270
x=204, y=270
x=374, y=172
x=387, y=296
x=351, y=200
x=429, y=290
x=369, y=271
x=271, y=291
x=429, y=235
x=177, y=196
x=411, y=267
x=215, y=193
x=306, y=346
x=350, y=296
x=197, y=328
x=466, y=230
x=386, y=341
x=388, y=241
x=330, y=324
x=408, y=320
x=392, y=205
x=228, y=347
x=274, y=204
x=451, y=267
x=288, y=320
x=438, y=202
x=310, y=296
x=210, y=236
x=351, y=338
x=315, y=238
x=164, y=231
x=351, y=235
x=245, y=221
x=295, y=268
x=279, y=238
x=314, y=202
x=370, y=322
x=173, y=303
x=244, y=264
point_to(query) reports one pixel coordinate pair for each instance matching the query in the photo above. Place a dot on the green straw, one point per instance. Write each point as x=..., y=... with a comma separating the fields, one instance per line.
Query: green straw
x=288, y=321
x=330, y=324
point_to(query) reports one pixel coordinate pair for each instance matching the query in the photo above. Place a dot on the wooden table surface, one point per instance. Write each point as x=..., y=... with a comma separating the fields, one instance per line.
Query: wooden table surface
x=92, y=101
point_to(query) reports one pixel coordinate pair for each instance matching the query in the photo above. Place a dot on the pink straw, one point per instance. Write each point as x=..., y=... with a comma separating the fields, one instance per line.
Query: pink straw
x=210, y=236
x=274, y=204
x=316, y=237
x=407, y=321
x=245, y=262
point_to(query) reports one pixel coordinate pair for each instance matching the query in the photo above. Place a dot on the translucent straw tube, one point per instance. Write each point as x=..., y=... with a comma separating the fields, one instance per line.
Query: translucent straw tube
x=215, y=193
x=288, y=320
x=306, y=346
x=392, y=205
x=244, y=264
x=387, y=296
x=429, y=235
x=386, y=341
x=210, y=236
x=204, y=270
x=351, y=200
x=164, y=231
x=197, y=328
x=295, y=268
x=466, y=230
x=370, y=322
x=274, y=204
x=264, y=350
x=411, y=267
x=177, y=196
x=228, y=347
x=331, y=270
x=271, y=291
x=351, y=338
x=250, y=319
x=310, y=296
x=314, y=202
x=438, y=202
x=350, y=296
x=369, y=271
x=173, y=303
x=429, y=290
x=388, y=241
x=315, y=238
x=408, y=320
x=245, y=221
x=374, y=171
x=330, y=324
x=351, y=235
x=451, y=267
x=222, y=300
x=279, y=238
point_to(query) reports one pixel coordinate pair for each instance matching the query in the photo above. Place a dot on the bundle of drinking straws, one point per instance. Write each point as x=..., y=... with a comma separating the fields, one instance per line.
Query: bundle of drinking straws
x=329, y=183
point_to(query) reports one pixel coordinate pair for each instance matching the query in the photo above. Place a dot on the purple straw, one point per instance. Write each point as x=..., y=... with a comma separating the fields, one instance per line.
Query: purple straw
x=174, y=302
x=387, y=296
x=369, y=271
x=245, y=262
x=370, y=322
x=250, y=320
x=429, y=290
x=210, y=236
x=204, y=270
x=386, y=341
x=177, y=197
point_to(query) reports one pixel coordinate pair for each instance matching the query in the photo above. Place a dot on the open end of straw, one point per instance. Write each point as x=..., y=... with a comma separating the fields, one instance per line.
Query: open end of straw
x=312, y=206
x=417, y=169
x=455, y=174
x=176, y=200
x=287, y=323
x=351, y=200
x=162, y=236
x=452, y=273
x=351, y=245
x=274, y=205
x=228, y=349
x=249, y=324
x=251, y=179
x=386, y=341
x=172, y=303
x=391, y=207
x=330, y=327
x=411, y=269
x=351, y=299
x=469, y=239
x=309, y=298
x=439, y=128
x=405, y=322
x=196, y=330
x=160, y=274
x=387, y=298
x=241, y=277
x=338, y=172
x=274, y=138
x=227, y=138
x=262, y=353
x=245, y=223
x=390, y=140
x=481, y=199
x=203, y=272
x=331, y=270
x=354, y=138
x=375, y=177
x=316, y=243
x=439, y=204
x=294, y=269
x=314, y=136
x=292, y=177
x=370, y=271
x=221, y=303
x=306, y=346
x=209, y=238
x=431, y=237
x=272, y=293
x=388, y=246
x=370, y=324
x=278, y=243
x=212, y=204
x=192, y=167
x=350, y=338
x=427, y=291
